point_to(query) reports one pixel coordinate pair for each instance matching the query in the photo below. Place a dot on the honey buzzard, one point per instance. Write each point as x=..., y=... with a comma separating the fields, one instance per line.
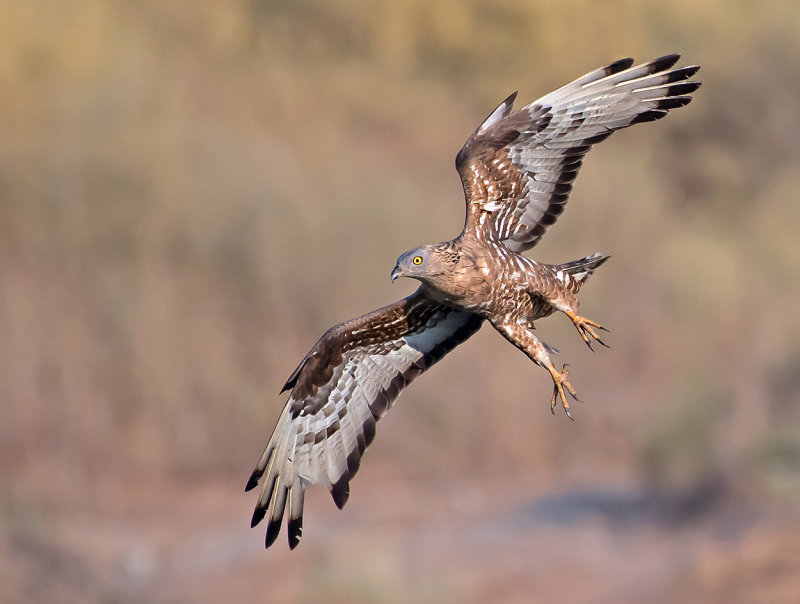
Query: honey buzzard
x=517, y=171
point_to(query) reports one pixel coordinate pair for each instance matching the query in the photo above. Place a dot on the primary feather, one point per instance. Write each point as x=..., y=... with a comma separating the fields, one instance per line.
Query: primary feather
x=520, y=165
x=517, y=170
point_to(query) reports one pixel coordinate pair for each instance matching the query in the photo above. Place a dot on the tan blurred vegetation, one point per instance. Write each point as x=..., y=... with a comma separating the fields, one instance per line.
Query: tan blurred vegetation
x=192, y=192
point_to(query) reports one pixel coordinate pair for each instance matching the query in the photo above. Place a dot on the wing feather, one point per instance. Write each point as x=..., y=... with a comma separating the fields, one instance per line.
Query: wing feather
x=519, y=166
x=341, y=388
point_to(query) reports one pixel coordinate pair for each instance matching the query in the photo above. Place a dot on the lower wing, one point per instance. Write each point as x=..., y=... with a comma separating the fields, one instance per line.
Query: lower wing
x=347, y=382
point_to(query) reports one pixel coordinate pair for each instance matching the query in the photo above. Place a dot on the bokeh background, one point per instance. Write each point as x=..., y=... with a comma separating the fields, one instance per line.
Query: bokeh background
x=192, y=192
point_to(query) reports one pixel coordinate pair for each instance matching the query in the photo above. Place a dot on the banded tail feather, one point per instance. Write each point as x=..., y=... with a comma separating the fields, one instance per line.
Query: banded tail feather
x=582, y=269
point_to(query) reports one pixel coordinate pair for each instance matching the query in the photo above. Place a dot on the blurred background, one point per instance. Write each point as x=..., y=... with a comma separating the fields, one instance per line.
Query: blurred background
x=192, y=192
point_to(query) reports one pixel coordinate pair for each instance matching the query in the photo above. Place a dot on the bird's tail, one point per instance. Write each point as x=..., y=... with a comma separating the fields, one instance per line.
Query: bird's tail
x=581, y=270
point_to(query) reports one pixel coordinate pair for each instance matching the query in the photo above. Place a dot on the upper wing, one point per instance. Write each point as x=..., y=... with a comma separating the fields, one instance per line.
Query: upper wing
x=344, y=385
x=519, y=166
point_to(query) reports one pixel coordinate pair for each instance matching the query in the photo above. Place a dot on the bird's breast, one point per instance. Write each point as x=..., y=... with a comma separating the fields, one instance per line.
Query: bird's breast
x=472, y=284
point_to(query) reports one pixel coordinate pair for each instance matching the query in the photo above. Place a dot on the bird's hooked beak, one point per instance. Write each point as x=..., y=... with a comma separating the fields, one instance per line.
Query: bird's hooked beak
x=396, y=272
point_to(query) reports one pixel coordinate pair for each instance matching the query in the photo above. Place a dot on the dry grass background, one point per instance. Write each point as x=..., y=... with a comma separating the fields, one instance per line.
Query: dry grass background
x=192, y=192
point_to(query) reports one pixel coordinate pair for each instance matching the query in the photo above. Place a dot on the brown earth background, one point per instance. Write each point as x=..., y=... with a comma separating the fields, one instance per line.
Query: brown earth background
x=192, y=192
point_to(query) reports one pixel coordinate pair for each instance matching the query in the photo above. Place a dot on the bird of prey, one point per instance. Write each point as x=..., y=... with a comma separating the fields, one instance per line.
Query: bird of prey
x=517, y=171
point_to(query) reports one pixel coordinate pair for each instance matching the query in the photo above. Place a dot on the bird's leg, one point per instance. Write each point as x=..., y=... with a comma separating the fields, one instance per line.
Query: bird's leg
x=584, y=327
x=521, y=336
x=560, y=383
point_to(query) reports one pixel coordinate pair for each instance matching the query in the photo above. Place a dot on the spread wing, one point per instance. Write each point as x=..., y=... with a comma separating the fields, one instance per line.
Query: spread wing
x=344, y=385
x=519, y=165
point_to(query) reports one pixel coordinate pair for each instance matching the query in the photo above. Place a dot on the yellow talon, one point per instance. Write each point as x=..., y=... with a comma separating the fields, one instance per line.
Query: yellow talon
x=584, y=327
x=560, y=383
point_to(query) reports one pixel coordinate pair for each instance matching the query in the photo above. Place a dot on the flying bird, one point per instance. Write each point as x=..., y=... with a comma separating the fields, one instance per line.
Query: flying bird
x=517, y=171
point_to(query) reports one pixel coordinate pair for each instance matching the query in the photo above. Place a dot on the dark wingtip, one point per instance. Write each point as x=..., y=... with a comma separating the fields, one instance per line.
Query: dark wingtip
x=665, y=62
x=258, y=516
x=649, y=116
x=289, y=383
x=592, y=140
x=340, y=491
x=674, y=102
x=682, y=73
x=273, y=530
x=252, y=482
x=683, y=88
x=620, y=65
x=295, y=528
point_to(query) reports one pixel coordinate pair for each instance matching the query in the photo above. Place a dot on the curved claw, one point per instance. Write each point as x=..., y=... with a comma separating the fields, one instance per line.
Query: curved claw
x=585, y=329
x=560, y=383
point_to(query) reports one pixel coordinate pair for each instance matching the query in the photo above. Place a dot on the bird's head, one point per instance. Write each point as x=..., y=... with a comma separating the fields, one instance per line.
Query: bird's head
x=421, y=263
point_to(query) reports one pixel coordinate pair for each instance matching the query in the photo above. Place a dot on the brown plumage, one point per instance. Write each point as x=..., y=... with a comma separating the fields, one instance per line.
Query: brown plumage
x=517, y=170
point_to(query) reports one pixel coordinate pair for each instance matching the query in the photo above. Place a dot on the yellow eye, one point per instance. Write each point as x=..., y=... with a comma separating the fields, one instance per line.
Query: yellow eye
x=417, y=260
